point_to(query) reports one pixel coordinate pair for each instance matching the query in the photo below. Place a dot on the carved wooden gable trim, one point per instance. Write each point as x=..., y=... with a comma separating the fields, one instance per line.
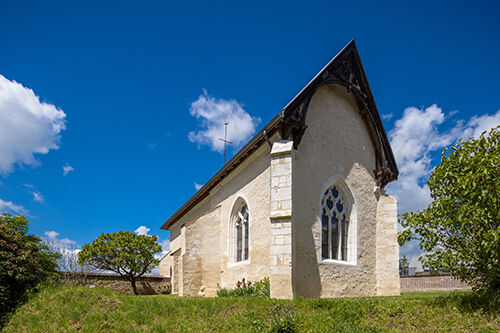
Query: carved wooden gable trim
x=345, y=69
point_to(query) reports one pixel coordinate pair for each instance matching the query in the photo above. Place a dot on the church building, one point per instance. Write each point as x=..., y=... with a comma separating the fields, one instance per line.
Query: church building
x=303, y=202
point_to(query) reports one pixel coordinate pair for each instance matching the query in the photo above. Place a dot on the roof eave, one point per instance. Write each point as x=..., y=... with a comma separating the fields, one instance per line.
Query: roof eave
x=237, y=159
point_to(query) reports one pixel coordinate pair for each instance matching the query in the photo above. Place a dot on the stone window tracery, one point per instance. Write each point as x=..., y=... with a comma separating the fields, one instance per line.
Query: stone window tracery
x=335, y=225
x=240, y=231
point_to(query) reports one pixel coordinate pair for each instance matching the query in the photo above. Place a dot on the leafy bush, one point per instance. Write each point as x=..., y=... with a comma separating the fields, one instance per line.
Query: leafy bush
x=460, y=229
x=262, y=288
x=167, y=291
x=25, y=262
x=259, y=289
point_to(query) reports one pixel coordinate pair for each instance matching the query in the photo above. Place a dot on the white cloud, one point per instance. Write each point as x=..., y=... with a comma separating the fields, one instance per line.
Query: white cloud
x=213, y=112
x=51, y=234
x=59, y=243
x=414, y=137
x=142, y=230
x=37, y=196
x=6, y=206
x=67, y=169
x=477, y=125
x=165, y=246
x=197, y=186
x=27, y=125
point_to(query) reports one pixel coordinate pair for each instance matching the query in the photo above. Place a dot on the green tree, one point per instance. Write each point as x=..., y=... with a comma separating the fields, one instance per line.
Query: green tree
x=124, y=253
x=403, y=266
x=460, y=230
x=25, y=261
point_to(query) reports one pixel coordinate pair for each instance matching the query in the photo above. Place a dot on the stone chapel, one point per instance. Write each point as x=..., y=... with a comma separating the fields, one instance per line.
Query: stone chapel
x=303, y=202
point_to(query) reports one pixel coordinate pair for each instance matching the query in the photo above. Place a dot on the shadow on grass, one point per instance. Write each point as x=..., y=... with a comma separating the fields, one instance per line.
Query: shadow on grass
x=466, y=302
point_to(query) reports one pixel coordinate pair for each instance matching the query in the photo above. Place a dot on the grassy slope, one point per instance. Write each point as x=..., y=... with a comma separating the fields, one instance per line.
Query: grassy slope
x=67, y=309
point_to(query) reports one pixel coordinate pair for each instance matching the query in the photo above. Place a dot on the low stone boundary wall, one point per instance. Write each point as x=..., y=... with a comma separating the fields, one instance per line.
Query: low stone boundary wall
x=154, y=284
x=146, y=285
x=430, y=282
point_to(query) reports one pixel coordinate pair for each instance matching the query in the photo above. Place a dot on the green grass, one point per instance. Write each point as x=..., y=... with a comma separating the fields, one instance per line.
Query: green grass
x=71, y=309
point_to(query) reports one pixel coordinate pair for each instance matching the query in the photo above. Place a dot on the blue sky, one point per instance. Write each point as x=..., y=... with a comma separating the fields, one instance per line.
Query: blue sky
x=135, y=91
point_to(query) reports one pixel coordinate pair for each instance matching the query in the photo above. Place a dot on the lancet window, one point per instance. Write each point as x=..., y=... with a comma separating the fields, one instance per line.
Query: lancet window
x=240, y=230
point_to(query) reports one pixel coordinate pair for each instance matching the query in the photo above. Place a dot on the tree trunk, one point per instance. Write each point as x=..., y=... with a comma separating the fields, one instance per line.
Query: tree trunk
x=132, y=280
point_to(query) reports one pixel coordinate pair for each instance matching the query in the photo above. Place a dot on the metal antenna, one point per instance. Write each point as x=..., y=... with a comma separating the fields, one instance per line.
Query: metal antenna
x=225, y=140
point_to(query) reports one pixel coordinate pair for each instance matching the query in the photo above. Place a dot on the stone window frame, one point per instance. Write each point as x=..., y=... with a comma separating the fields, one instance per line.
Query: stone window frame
x=237, y=205
x=339, y=182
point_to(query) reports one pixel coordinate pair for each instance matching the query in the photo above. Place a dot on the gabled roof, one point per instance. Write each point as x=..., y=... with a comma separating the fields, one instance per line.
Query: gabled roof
x=344, y=69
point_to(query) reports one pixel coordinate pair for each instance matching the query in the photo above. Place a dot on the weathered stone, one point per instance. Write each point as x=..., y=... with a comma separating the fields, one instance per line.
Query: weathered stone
x=146, y=285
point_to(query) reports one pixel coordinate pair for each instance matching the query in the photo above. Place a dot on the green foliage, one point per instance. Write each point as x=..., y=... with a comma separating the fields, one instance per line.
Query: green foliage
x=83, y=309
x=25, y=261
x=167, y=291
x=258, y=289
x=460, y=229
x=262, y=288
x=122, y=252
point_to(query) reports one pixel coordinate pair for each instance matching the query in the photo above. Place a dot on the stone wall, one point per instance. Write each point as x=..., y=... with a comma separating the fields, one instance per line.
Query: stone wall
x=201, y=239
x=387, y=246
x=146, y=285
x=201, y=260
x=336, y=149
x=429, y=282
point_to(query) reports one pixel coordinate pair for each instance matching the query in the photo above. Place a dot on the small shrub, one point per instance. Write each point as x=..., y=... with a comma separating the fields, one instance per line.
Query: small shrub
x=282, y=319
x=262, y=288
x=259, y=289
x=167, y=291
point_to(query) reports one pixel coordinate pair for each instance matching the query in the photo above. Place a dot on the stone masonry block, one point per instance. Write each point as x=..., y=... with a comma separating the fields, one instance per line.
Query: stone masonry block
x=275, y=181
x=281, y=170
x=281, y=269
x=285, y=204
x=280, y=249
x=281, y=231
x=283, y=193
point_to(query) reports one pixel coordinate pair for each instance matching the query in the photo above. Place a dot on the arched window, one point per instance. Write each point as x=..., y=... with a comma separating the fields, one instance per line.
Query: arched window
x=240, y=230
x=335, y=223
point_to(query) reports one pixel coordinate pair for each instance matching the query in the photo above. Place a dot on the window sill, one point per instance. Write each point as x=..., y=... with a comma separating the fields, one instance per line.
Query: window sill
x=337, y=262
x=238, y=263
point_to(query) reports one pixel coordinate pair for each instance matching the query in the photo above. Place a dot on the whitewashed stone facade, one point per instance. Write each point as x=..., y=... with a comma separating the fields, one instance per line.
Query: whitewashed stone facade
x=280, y=179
